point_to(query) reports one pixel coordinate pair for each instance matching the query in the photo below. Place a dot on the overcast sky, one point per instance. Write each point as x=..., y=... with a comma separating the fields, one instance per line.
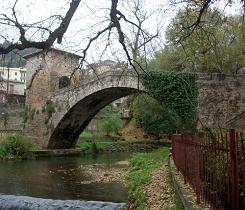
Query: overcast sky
x=91, y=16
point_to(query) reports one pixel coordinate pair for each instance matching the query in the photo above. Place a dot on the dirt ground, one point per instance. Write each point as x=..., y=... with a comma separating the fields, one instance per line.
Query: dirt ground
x=158, y=192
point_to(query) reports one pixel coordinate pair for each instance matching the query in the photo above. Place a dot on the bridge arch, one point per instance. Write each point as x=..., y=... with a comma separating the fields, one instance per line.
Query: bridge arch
x=80, y=104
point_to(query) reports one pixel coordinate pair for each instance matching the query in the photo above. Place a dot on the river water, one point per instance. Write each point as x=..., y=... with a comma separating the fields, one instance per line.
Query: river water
x=61, y=178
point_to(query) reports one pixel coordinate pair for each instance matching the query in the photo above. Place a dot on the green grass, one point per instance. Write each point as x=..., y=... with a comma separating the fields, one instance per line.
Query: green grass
x=141, y=166
x=99, y=145
x=91, y=134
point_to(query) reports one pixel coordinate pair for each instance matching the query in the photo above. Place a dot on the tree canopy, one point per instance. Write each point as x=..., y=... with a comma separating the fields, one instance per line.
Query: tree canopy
x=109, y=24
x=214, y=46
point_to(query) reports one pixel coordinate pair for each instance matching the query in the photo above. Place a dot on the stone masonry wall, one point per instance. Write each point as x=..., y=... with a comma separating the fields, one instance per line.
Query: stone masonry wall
x=12, y=122
x=43, y=73
x=221, y=101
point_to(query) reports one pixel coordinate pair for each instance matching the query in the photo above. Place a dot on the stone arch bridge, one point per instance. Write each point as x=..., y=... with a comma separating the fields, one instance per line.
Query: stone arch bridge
x=62, y=116
x=78, y=105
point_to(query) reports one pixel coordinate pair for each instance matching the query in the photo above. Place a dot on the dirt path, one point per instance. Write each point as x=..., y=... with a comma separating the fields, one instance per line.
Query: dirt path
x=158, y=192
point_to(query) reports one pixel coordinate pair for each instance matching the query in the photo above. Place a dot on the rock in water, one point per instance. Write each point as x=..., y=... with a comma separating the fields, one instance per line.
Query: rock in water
x=12, y=202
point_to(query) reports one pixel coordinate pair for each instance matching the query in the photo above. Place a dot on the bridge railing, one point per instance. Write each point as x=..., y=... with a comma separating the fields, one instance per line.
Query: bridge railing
x=214, y=166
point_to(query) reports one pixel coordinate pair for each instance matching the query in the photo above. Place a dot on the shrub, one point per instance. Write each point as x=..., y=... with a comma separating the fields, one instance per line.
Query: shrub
x=14, y=146
x=94, y=149
x=111, y=123
x=152, y=116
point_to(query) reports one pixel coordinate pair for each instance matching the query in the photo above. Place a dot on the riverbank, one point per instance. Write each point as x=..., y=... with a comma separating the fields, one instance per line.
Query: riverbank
x=149, y=184
x=118, y=146
x=92, y=148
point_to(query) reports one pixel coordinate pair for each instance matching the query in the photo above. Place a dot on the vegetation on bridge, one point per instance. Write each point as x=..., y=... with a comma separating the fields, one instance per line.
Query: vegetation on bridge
x=171, y=104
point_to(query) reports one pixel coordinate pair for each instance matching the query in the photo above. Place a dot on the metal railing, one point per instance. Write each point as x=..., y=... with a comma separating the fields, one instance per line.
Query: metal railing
x=214, y=166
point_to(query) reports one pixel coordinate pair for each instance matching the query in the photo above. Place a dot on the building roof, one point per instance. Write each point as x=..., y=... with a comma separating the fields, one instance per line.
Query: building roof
x=51, y=49
x=11, y=81
x=12, y=69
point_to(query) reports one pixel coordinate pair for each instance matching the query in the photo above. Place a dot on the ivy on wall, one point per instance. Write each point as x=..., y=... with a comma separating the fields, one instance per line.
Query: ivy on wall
x=176, y=91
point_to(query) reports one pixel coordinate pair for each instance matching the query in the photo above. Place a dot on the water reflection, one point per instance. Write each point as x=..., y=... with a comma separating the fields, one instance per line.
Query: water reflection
x=60, y=178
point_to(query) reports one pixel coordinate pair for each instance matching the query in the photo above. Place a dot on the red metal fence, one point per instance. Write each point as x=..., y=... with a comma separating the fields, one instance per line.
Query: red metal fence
x=214, y=165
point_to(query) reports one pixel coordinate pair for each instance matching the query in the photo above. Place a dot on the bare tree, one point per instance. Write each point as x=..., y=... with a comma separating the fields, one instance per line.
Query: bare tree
x=114, y=24
x=140, y=37
x=23, y=42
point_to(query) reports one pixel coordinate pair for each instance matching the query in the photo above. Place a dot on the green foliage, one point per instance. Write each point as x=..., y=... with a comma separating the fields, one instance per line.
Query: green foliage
x=87, y=134
x=171, y=58
x=91, y=134
x=28, y=114
x=141, y=166
x=99, y=145
x=14, y=146
x=177, y=92
x=94, y=148
x=214, y=46
x=111, y=123
x=152, y=116
x=49, y=109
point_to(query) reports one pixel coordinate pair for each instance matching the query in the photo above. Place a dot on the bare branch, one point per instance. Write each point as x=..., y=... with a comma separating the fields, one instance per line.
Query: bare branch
x=108, y=28
x=58, y=33
x=194, y=25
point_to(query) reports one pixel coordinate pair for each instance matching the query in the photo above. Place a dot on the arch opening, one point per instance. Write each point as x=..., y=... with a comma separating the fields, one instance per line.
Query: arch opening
x=64, y=81
x=77, y=118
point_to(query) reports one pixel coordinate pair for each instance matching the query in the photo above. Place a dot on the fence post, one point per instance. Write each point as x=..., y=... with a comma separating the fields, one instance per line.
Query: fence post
x=234, y=171
x=185, y=162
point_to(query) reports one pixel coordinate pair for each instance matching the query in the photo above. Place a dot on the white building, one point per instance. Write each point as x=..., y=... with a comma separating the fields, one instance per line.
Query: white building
x=12, y=82
x=13, y=74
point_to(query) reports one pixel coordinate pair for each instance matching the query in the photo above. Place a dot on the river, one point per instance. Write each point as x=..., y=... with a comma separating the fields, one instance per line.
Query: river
x=63, y=178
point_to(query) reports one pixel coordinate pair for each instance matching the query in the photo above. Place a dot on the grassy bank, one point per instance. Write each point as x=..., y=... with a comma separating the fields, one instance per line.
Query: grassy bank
x=116, y=146
x=15, y=146
x=92, y=134
x=140, y=169
x=99, y=145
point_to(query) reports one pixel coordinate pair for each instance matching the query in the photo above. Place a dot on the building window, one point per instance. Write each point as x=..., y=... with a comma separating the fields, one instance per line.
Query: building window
x=64, y=82
x=22, y=76
x=15, y=73
x=11, y=88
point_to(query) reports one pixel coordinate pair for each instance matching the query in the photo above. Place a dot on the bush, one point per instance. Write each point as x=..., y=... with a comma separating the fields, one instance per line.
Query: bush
x=14, y=146
x=152, y=116
x=111, y=123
